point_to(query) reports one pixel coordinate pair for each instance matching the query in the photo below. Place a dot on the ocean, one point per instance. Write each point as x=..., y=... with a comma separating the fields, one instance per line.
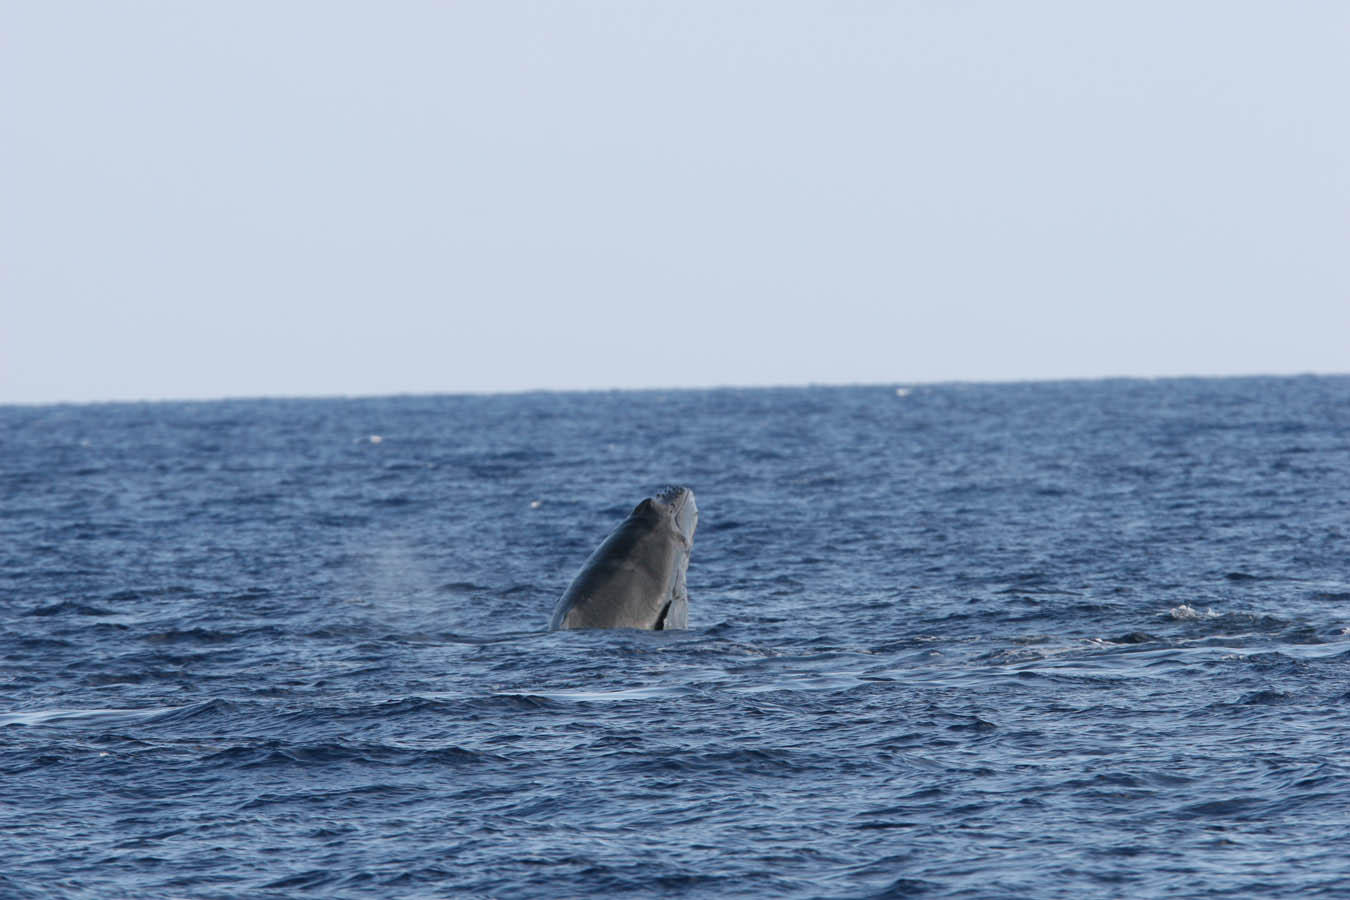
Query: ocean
x=1037, y=640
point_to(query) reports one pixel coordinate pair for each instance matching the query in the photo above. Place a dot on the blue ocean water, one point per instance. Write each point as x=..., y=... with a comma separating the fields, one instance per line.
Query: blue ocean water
x=1024, y=640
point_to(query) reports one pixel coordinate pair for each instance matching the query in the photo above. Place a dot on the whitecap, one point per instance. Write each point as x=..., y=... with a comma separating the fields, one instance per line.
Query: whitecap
x=1185, y=612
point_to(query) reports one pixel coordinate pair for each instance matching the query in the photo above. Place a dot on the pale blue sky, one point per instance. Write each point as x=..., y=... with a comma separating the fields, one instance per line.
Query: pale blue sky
x=203, y=199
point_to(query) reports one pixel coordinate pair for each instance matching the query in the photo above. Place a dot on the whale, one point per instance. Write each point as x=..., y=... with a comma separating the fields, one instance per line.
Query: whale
x=635, y=578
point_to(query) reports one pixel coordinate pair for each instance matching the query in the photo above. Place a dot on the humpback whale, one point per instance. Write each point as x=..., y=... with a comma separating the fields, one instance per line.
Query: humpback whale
x=635, y=578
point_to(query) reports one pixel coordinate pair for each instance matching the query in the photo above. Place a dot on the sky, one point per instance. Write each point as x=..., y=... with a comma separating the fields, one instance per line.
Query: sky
x=317, y=197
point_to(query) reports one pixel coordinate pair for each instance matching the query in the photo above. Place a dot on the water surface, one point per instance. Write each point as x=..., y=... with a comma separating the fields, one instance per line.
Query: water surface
x=1026, y=640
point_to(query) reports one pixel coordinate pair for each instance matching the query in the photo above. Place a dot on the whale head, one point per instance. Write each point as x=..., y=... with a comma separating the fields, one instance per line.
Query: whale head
x=677, y=503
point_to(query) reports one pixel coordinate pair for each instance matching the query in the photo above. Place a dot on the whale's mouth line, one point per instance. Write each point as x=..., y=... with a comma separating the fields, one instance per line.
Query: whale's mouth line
x=677, y=498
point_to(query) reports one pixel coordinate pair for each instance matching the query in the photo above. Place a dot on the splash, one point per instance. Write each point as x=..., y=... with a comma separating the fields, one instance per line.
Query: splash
x=1185, y=612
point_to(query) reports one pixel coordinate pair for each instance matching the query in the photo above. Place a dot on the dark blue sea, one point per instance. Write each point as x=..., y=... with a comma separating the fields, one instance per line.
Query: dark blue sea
x=1044, y=640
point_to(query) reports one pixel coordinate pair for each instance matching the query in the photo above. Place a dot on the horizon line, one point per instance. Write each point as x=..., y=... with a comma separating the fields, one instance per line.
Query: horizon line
x=496, y=392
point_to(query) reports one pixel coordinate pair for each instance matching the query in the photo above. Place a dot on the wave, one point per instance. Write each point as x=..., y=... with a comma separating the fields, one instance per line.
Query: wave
x=272, y=753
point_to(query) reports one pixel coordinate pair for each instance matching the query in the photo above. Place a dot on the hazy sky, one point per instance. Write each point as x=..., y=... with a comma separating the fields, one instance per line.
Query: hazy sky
x=203, y=199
